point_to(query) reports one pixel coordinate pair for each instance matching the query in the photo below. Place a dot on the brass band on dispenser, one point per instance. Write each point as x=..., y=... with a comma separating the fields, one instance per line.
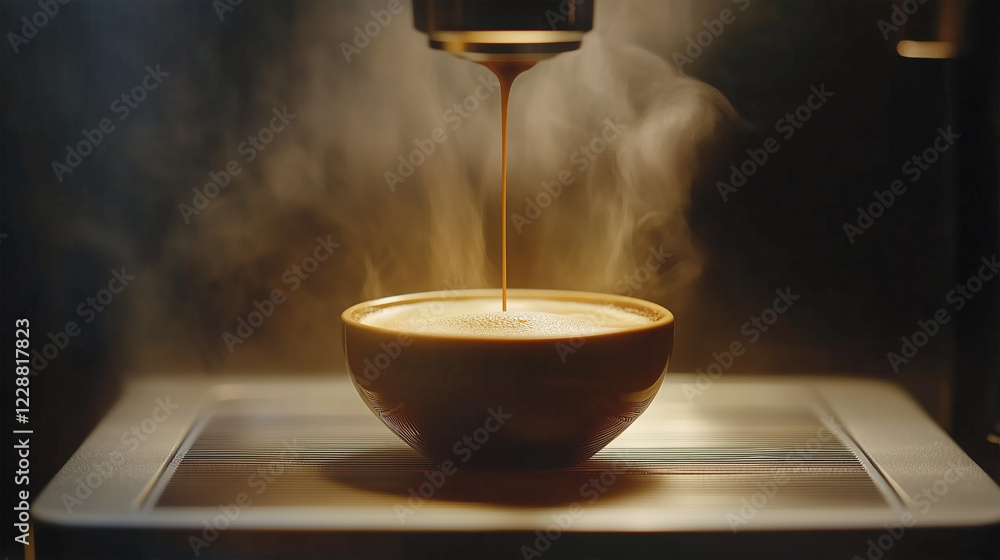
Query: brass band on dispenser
x=512, y=45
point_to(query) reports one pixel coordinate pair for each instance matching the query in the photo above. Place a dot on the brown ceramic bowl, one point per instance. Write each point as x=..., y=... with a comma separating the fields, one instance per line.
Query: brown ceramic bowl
x=513, y=402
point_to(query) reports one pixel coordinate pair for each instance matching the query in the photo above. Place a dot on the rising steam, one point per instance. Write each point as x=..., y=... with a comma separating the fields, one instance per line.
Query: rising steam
x=438, y=228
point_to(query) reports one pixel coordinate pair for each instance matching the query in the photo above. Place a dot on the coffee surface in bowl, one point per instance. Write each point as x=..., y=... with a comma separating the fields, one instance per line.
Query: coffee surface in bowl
x=525, y=319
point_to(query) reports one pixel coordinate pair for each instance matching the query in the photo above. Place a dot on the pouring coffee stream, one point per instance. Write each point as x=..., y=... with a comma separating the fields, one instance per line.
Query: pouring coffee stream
x=506, y=72
x=508, y=38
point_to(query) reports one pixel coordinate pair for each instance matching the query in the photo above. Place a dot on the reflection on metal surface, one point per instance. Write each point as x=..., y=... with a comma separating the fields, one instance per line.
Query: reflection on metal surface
x=683, y=456
x=927, y=49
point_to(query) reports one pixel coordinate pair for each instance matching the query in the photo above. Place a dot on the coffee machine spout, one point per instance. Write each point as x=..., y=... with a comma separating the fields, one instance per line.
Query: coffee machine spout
x=487, y=31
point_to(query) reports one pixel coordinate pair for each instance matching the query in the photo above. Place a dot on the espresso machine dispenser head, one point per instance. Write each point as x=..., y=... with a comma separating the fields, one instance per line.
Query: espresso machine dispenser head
x=487, y=31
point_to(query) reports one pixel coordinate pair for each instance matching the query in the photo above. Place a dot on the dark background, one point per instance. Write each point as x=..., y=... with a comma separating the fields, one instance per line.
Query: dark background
x=783, y=228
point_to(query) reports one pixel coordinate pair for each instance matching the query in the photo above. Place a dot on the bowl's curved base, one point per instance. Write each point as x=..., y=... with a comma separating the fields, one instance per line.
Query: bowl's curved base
x=505, y=450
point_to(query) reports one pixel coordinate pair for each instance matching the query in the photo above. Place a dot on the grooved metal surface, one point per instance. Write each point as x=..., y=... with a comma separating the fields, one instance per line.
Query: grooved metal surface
x=720, y=456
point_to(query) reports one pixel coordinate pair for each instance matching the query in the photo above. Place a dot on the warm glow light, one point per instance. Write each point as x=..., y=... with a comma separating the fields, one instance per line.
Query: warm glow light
x=927, y=49
x=506, y=37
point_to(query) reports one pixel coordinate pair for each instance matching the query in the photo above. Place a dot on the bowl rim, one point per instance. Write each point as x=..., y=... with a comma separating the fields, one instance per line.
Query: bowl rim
x=665, y=317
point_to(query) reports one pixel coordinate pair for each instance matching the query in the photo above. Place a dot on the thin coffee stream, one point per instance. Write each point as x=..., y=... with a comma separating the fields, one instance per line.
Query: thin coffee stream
x=529, y=318
x=506, y=72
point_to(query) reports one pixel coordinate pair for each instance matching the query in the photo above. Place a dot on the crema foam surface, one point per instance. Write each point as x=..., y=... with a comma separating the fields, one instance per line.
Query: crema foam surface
x=524, y=319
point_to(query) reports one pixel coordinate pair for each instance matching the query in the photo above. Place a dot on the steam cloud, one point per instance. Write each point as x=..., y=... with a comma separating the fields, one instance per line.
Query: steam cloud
x=440, y=227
